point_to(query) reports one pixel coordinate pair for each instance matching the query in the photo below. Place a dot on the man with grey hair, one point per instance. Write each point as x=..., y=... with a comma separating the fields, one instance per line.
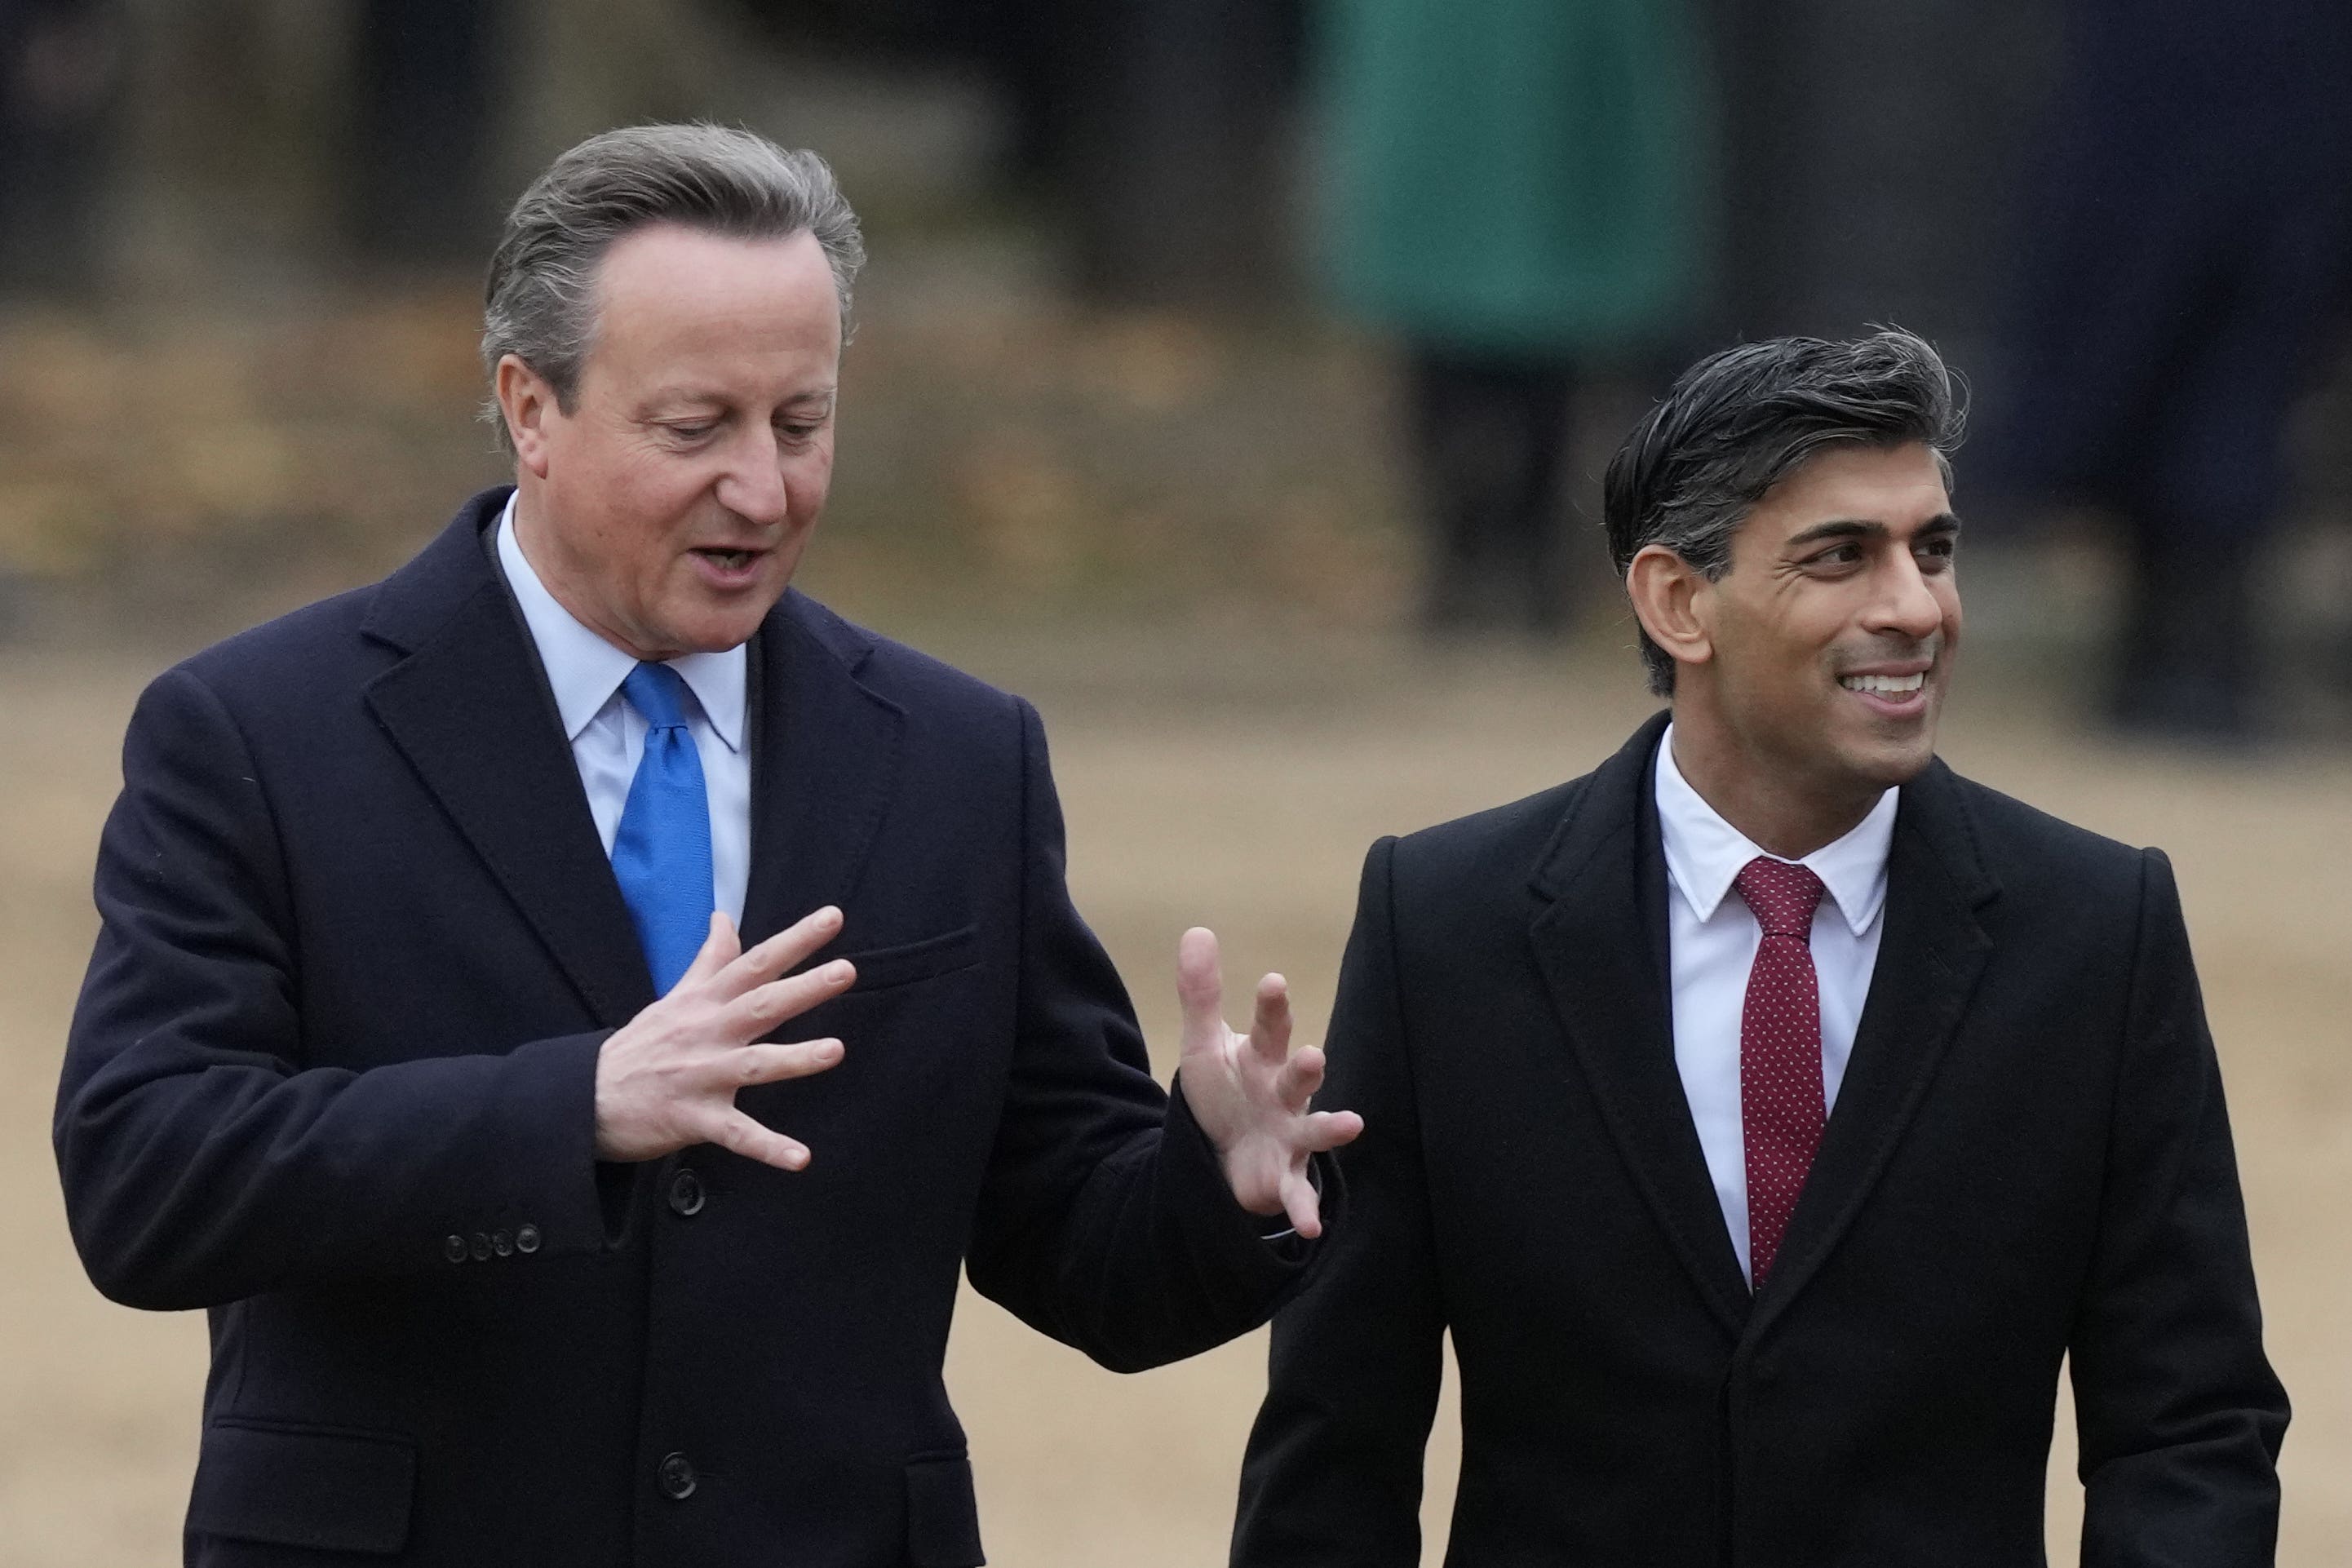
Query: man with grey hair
x=1767, y=1114
x=447, y=925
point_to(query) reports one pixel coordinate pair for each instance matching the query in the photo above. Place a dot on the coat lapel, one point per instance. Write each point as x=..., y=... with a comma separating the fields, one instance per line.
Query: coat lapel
x=824, y=765
x=470, y=710
x=1928, y=962
x=1600, y=944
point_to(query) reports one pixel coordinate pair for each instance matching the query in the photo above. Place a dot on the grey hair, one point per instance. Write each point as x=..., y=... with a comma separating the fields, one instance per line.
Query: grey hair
x=538, y=302
x=1739, y=422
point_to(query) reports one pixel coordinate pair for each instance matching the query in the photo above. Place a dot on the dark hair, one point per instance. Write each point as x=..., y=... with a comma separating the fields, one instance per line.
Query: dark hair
x=1739, y=422
x=540, y=300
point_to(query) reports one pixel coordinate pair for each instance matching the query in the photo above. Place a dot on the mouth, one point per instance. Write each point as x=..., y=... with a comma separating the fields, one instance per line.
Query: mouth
x=1885, y=685
x=1903, y=696
x=729, y=567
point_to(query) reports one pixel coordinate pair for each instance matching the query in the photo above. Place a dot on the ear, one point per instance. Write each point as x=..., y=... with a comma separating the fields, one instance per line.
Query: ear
x=1672, y=600
x=527, y=402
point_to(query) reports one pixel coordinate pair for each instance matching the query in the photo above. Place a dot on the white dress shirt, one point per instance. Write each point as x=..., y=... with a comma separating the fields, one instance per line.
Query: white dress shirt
x=1712, y=936
x=608, y=734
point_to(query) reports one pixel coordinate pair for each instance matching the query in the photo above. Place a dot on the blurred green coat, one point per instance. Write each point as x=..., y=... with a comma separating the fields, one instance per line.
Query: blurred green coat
x=1516, y=177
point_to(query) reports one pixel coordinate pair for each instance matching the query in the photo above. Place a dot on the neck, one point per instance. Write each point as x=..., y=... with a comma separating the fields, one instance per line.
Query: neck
x=1770, y=801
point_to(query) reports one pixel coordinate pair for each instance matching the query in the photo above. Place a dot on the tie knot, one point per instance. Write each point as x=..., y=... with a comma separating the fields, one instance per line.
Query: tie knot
x=659, y=693
x=1783, y=895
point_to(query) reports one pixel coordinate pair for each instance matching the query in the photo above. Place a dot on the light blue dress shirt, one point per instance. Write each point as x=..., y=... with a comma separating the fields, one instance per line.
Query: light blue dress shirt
x=608, y=735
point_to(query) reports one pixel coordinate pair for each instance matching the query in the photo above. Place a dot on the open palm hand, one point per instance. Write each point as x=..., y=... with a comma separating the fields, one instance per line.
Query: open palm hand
x=1250, y=1092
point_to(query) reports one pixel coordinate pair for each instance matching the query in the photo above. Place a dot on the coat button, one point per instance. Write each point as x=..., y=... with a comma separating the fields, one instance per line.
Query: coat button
x=502, y=1243
x=453, y=1249
x=481, y=1247
x=686, y=1192
x=526, y=1240
x=677, y=1475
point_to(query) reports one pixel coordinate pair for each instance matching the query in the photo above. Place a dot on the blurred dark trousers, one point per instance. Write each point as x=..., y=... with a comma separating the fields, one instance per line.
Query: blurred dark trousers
x=2187, y=253
x=1488, y=437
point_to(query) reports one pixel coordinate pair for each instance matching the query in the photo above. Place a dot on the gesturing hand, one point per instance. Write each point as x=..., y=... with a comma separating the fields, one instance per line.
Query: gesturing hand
x=1249, y=1093
x=667, y=1078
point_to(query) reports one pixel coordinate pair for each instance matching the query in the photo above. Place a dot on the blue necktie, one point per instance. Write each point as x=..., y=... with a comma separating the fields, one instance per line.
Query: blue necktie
x=661, y=855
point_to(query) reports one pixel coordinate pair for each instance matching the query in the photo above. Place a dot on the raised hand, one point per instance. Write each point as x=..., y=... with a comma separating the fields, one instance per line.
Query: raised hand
x=667, y=1078
x=1250, y=1092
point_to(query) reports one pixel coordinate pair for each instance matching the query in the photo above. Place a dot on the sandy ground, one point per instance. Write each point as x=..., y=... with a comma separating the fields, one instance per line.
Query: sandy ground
x=1237, y=788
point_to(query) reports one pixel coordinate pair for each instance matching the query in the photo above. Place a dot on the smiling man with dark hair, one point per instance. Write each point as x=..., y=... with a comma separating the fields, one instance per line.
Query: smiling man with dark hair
x=1768, y=1113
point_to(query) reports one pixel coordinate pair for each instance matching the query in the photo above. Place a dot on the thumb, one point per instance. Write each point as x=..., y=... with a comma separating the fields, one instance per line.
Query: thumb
x=1200, y=990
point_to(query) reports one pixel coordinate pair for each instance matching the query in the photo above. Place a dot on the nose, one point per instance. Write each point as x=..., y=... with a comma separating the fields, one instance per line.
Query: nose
x=1908, y=606
x=752, y=485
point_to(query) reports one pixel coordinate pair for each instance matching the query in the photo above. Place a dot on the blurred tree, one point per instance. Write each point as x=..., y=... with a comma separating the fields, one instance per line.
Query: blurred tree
x=425, y=102
x=1870, y=153
x=1160, y=127
x=1177, y=146
x=60, y=75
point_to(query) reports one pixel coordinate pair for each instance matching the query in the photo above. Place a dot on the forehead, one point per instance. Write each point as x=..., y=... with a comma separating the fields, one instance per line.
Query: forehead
x=668, y=290
x=1901, y=487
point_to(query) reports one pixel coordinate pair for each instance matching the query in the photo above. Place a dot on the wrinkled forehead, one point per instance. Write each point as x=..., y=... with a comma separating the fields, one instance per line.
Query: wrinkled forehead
x=1900, y=489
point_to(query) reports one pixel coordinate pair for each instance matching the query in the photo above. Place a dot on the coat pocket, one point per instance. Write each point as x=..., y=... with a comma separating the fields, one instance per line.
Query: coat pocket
x=287, y=1484
x=942, y=1517
x=903, y=965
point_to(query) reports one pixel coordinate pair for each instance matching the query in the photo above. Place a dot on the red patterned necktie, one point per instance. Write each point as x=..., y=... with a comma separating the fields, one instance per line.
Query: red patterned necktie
x=1780, y=1102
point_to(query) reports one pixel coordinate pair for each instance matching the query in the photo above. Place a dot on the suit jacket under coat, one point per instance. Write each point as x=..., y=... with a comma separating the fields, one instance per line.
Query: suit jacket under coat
x=2029, y=1157
x=333, y=1072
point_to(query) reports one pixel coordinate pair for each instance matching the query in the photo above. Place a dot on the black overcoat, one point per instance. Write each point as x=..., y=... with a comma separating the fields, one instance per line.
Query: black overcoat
x=332, y=1077
x=2029, y=1159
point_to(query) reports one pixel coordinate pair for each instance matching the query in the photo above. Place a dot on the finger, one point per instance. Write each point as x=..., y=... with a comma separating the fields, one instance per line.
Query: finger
x=763, y=1007
x=1299, y=1201
x=739, y=1135
x=1326, y=1130
x=1298, y=1079
x=1200, y=991
x=719, y=948
x=775, y=1064
x=1270, y=1029
x=783, y=951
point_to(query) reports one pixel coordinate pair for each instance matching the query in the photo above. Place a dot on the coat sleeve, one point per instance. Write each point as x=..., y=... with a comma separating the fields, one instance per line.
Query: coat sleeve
x=2179, y=1414
x=202, y=1160
x=1333, y=1472
x=1104, y=1219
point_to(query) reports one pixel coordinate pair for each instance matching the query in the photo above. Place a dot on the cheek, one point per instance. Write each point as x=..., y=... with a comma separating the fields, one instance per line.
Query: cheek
x=807, y=479
x=652, y=499
x=657, y=484
x=1788, y=649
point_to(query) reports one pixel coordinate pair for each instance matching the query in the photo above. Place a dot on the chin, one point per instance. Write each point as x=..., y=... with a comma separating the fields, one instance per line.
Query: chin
x=720, y=637
x=716, y=627
x=1891, y=764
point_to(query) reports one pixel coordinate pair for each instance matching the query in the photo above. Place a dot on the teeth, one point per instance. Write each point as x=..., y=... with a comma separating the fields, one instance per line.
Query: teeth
x=1884, y=684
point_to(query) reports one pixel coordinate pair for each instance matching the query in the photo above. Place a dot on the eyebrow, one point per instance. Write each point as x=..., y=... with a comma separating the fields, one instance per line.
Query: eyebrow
x=1862, y=528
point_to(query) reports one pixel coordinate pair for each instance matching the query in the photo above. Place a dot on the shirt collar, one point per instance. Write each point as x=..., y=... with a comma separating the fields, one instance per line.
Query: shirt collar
x=584, y=670
x=1705, y=853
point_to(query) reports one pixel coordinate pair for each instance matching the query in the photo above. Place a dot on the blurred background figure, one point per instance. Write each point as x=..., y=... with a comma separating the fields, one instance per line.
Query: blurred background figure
x=1515, y=193
x=2183, y=267
x=60, y=66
